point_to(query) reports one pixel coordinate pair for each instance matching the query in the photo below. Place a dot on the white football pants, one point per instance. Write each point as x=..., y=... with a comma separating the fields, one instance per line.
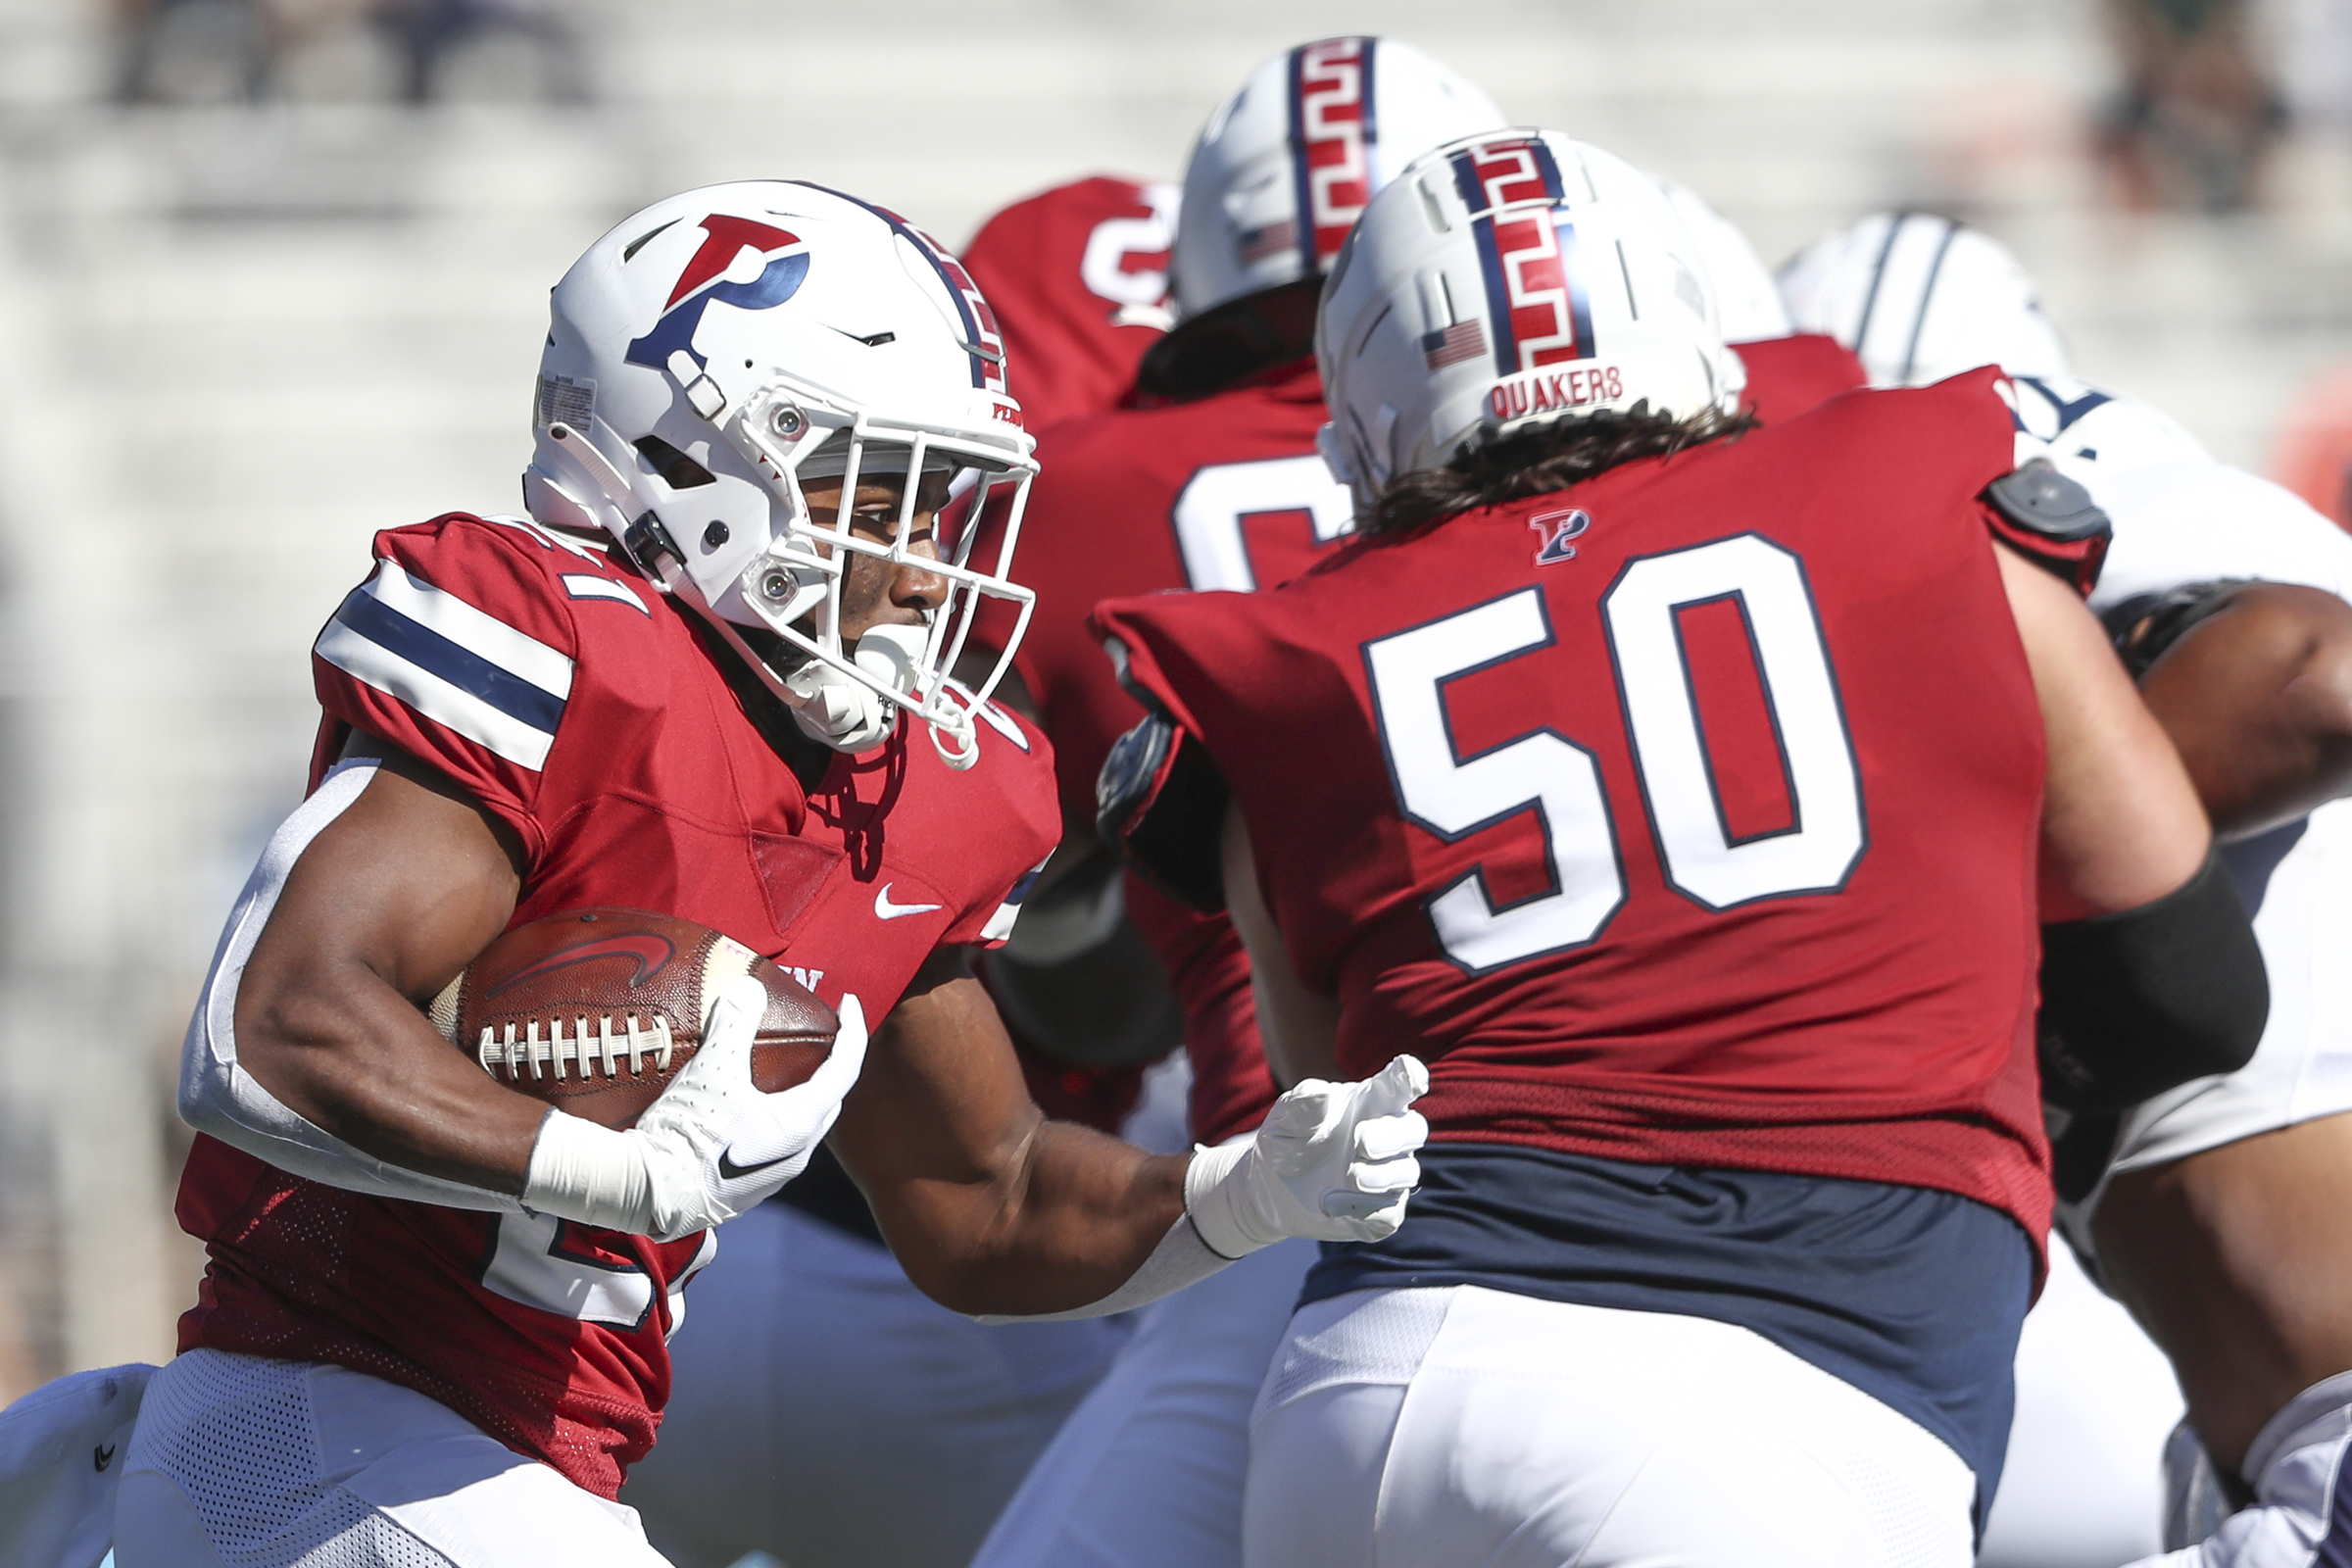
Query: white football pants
x=2081, y=1486
x=2302, y=1512
x=827, y=1412
x=61, y=1451
x=1148, y=1471
x=1470, y=1428
x=241, y=1463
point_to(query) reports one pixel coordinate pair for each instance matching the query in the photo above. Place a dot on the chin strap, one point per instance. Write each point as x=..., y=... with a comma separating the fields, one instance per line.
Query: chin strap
x=954, y=738
x=837, y=711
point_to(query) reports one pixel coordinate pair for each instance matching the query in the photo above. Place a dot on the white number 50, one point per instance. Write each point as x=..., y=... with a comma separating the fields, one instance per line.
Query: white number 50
x=1454, y=796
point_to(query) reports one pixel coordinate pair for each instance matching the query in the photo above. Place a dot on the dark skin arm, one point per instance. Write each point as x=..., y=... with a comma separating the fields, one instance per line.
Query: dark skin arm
x=2236, y=1259
x=399, y=893
x=2258, y=699
x=387, y=905
x=990, y=1207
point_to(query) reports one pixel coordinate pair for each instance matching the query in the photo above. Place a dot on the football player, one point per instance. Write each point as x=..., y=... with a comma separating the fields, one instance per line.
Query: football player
x=704, y=676
x=1079, y=277
x=825, y=1410
x=1211, y=482
x=1657, y=781
x=2211, y=1212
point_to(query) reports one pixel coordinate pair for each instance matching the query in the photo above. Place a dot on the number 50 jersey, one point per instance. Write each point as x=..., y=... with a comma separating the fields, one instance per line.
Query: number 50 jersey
x=1687, y=817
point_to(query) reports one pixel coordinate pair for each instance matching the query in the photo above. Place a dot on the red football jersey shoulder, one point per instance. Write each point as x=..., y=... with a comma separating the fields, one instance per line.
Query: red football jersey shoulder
x=581, y=707
x=1619, y=802
x=1790, y=375
x=1079, y=279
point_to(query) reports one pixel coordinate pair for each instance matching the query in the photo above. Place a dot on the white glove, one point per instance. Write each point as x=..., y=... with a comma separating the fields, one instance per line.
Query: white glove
x=1331, y=1161
x=711, y=1146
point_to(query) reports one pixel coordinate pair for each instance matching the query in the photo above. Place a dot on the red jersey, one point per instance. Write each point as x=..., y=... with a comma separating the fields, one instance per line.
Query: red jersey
x=578, y=707
x=1225, y=492
x=1079, y=279
x=1687, y=817
x=1790, y=375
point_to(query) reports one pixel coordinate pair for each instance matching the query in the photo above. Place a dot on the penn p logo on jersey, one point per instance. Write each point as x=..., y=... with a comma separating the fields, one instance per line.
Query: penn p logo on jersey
x=1556, y=530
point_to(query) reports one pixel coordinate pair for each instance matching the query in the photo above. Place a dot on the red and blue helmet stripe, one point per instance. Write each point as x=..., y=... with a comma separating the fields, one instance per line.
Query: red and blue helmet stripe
x=1538, y=303
x=1334, y=132
x=982, y=340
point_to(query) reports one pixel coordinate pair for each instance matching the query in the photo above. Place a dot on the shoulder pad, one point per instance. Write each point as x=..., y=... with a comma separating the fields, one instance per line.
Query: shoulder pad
x=2051, y=520
x=1160, y=806
x=2040, y=498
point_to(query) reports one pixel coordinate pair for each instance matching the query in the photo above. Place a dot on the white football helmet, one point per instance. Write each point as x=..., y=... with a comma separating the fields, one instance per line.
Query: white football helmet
x=1920, y=298
x=718, y=349
x=2092, y=434
x=1287, y=165
x=1502, y=282
x=1748, y=305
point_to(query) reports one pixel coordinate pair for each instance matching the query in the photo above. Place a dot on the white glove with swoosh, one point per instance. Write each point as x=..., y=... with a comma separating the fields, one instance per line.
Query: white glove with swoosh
x=711, y=1146
x=1331, y=1161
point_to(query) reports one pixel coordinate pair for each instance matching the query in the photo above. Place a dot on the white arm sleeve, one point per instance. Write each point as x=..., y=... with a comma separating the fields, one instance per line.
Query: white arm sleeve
x=1181, y=1258
x=217, y=1096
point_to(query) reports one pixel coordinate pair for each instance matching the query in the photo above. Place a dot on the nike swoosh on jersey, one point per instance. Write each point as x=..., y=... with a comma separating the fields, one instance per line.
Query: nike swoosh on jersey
x=884, y=909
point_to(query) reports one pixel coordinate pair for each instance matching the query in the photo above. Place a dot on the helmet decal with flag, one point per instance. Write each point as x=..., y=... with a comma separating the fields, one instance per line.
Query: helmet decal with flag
x=1287, y=165
x=716, y=351
x=1502, y=282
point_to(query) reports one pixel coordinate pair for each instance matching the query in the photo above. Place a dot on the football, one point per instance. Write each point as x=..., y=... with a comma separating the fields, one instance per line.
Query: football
x=594, y=1011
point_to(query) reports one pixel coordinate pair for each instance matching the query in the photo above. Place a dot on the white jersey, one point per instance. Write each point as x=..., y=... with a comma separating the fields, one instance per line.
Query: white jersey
x=2181, y=518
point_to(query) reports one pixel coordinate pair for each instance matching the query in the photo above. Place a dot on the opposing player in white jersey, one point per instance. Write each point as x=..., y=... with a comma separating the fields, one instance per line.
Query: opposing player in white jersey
x=2213, y=1210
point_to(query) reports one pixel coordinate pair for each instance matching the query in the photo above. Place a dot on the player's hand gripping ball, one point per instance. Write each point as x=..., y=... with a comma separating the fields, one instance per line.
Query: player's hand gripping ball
x=595, y=1011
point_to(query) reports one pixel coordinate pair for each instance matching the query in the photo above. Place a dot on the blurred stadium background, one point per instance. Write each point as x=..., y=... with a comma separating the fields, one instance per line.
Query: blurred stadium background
x=271, y=278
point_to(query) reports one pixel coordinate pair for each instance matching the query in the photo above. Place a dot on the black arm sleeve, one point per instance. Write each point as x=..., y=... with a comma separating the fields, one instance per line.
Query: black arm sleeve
x=2136, y=1003
x=1160, y=806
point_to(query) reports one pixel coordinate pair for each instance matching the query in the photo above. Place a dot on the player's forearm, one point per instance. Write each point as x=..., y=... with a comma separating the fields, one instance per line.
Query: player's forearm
x=2258, y=699
x=2121, y=825
x=1064, y=1229
x=357, y=1060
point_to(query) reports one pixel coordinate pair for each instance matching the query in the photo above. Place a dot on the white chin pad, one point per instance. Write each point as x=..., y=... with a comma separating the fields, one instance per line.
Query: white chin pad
x=894, y=654
x=835, y=709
